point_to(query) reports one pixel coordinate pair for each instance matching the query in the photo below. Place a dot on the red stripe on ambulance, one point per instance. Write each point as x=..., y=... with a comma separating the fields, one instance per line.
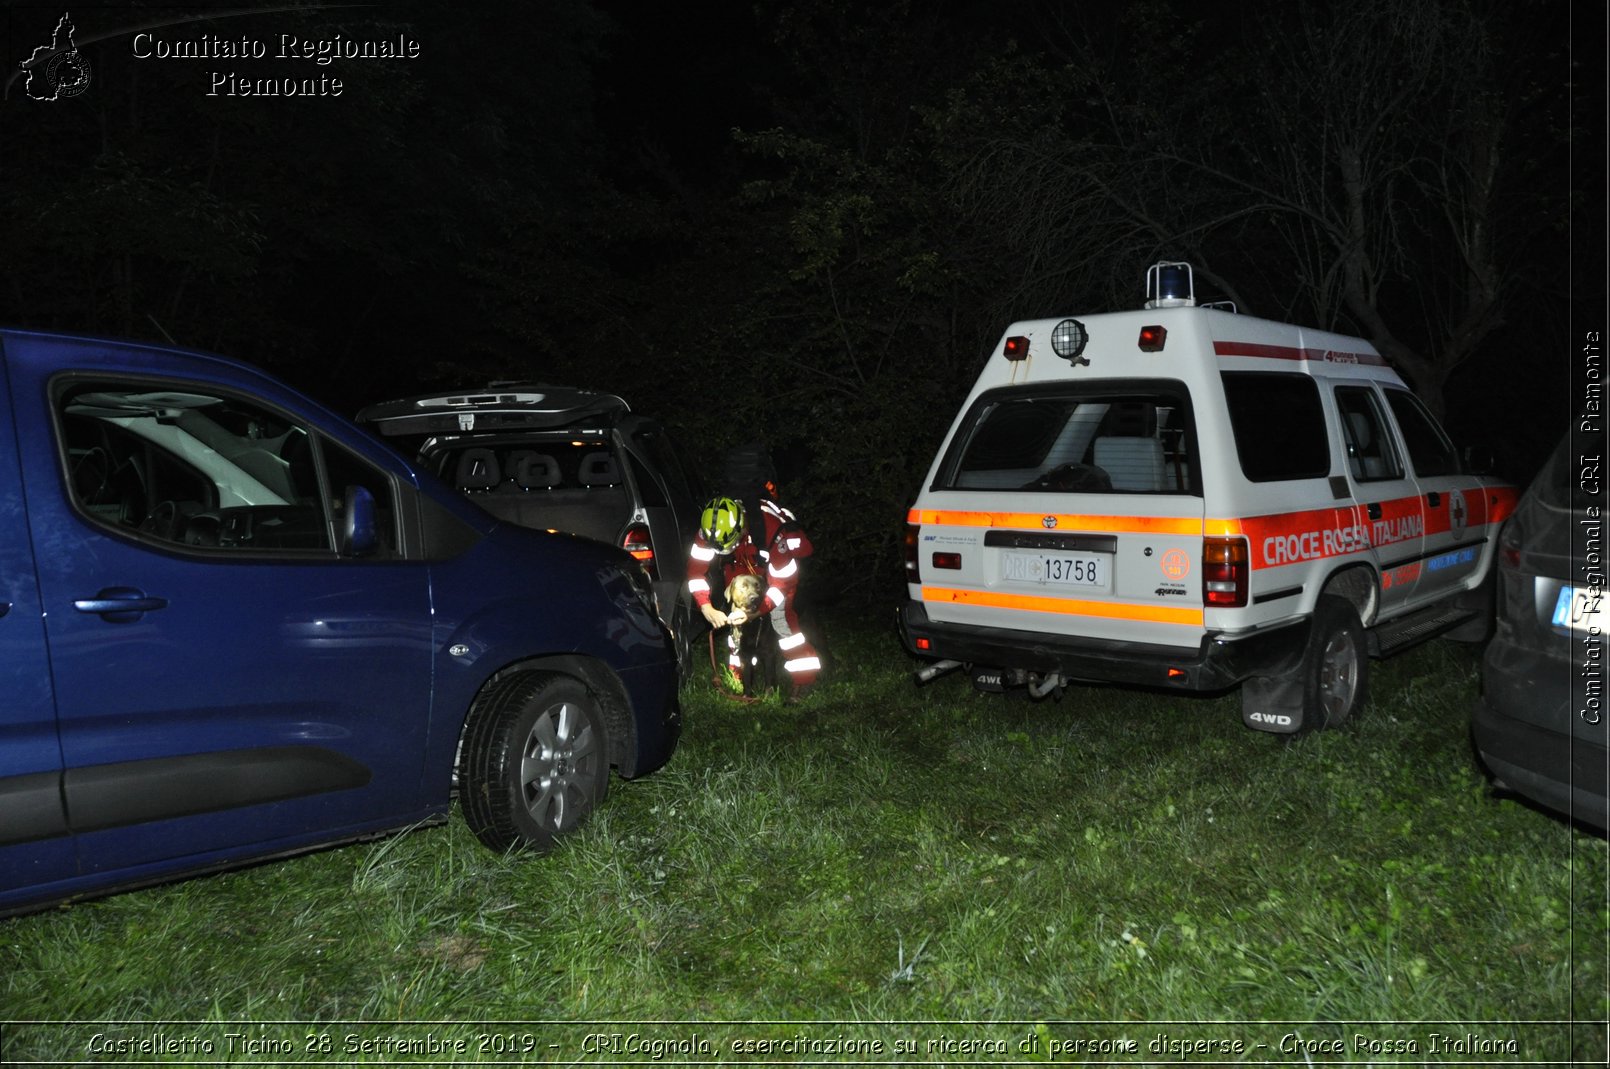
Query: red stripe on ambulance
x=1291, y=352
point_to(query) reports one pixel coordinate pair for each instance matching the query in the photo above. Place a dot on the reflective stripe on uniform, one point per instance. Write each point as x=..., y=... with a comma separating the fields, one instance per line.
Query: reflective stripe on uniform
x=697, y=585
x=793, y=641
x=784, y=572
x=804, y=664
x=702, y=553
x=775, y=596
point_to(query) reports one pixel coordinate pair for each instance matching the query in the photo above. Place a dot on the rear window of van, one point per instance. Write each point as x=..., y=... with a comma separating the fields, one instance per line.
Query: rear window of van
x=1279, y=426
x=1113, y=437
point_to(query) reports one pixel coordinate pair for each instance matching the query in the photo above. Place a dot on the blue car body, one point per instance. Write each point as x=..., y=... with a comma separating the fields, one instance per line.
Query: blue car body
x=218, y=676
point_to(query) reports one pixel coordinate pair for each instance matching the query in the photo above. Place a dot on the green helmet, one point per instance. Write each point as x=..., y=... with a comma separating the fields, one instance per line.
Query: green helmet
x=722, y=524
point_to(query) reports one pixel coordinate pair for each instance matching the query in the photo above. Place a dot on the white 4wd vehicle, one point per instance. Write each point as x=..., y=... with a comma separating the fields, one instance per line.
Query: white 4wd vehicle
x=1185, y=498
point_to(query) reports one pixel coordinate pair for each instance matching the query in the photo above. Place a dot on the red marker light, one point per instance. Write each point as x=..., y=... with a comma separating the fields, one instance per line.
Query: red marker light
x=1152, y=339
x=1017, y=348
x=948, y=560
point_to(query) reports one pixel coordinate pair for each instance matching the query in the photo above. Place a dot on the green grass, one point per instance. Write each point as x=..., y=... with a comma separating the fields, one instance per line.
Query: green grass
x=886, y=853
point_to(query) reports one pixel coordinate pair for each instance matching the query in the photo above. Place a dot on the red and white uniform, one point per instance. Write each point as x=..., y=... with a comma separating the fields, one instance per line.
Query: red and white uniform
x=778, y=564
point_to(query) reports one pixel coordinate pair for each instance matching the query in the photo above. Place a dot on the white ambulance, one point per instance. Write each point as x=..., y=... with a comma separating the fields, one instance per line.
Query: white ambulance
x=1185, y=498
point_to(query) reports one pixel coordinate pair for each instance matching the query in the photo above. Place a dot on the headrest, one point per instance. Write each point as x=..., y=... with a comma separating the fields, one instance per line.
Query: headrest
x=478, y=469
x=599, y=469
x=536, y=471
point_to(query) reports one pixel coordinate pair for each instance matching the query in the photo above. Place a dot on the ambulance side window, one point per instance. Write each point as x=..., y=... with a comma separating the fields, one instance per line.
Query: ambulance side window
x=1429, y=449
x=1370, y=454
x=1279, y=426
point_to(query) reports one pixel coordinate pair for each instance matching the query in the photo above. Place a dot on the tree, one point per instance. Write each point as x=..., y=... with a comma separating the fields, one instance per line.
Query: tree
x=1354, y=166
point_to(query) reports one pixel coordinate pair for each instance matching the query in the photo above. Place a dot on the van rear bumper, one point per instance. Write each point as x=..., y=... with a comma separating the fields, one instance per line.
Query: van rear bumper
x=1218, y=663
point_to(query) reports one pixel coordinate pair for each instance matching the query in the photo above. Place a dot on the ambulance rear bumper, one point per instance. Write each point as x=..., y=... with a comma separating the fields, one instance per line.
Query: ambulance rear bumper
x=1220, y=662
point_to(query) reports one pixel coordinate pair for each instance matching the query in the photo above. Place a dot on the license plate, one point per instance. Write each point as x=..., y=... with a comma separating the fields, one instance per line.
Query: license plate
x=1580, y=610
x=1060, y=569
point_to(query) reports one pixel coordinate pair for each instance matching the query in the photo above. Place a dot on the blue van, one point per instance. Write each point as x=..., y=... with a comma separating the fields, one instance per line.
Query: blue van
x=234, y=626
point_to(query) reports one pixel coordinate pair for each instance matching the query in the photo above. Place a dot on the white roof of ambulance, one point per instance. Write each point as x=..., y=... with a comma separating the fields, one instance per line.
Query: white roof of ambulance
x=1201, y=343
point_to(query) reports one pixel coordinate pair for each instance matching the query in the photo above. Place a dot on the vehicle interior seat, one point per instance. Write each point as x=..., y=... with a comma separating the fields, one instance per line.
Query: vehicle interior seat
x=1132, y=463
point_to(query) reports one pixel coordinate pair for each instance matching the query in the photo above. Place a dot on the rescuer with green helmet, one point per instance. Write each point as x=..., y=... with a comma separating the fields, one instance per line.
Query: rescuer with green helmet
x=749, y=533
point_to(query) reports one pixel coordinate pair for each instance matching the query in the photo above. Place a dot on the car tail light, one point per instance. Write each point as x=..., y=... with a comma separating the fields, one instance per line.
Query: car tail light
x=637, y=542
x=913, y=573
x=1224, y=572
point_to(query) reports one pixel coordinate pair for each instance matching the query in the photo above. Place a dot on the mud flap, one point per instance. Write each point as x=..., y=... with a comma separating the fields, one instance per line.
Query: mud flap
x=1273, y=703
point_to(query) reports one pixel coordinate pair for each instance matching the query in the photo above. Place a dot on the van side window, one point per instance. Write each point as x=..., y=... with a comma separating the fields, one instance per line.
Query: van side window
x=1371, y=457
x=1279, y=426
x=1111, y=438
x=1429, y=449
x=191, y=467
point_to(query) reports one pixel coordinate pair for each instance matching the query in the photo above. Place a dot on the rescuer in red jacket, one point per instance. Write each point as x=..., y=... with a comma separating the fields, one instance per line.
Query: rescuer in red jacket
x=767, y=542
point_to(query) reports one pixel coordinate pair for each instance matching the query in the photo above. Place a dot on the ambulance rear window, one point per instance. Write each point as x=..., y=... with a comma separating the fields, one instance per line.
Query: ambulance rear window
x=1113, y=437
x=1279, y=426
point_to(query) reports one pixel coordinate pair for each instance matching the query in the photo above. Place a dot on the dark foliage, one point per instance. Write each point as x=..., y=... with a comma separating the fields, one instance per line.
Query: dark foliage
x=806, y=222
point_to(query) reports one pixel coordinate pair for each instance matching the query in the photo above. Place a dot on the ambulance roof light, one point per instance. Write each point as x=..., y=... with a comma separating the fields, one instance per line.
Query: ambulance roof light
x=1170, y=284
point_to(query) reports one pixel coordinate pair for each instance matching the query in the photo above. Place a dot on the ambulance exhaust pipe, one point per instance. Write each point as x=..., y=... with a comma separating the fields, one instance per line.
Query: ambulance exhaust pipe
x=935, y=670
x=1050, y=682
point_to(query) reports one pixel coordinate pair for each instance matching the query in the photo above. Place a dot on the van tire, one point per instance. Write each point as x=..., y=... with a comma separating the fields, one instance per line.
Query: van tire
x=536, y=761
x=1335, y=666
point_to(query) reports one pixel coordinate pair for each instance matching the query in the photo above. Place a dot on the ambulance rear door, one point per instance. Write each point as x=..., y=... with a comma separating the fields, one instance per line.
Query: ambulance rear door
x=1072, y=509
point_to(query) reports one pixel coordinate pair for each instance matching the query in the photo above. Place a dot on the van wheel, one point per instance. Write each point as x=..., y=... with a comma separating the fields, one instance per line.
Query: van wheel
x=1335, y=666
x=536, y=761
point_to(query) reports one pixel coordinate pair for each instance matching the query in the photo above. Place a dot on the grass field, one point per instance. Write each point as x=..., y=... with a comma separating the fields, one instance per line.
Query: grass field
x=885, y=864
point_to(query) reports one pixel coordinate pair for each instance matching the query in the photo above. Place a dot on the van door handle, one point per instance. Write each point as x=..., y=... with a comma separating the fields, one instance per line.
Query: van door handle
x=1374, y=510
x=120, y=604
x=1433, y=499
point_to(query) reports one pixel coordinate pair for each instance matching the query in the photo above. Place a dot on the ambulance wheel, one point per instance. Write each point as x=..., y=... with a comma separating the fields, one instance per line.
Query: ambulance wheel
x=1335, y=666
x=536, y=761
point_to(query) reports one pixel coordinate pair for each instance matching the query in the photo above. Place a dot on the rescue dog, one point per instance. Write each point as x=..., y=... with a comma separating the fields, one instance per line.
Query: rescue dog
x=757, y=642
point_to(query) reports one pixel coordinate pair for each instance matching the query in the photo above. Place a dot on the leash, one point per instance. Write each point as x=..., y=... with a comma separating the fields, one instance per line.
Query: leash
x=716, y=679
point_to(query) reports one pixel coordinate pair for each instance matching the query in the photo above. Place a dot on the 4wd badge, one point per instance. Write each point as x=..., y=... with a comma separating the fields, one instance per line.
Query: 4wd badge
x=1048, y=522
